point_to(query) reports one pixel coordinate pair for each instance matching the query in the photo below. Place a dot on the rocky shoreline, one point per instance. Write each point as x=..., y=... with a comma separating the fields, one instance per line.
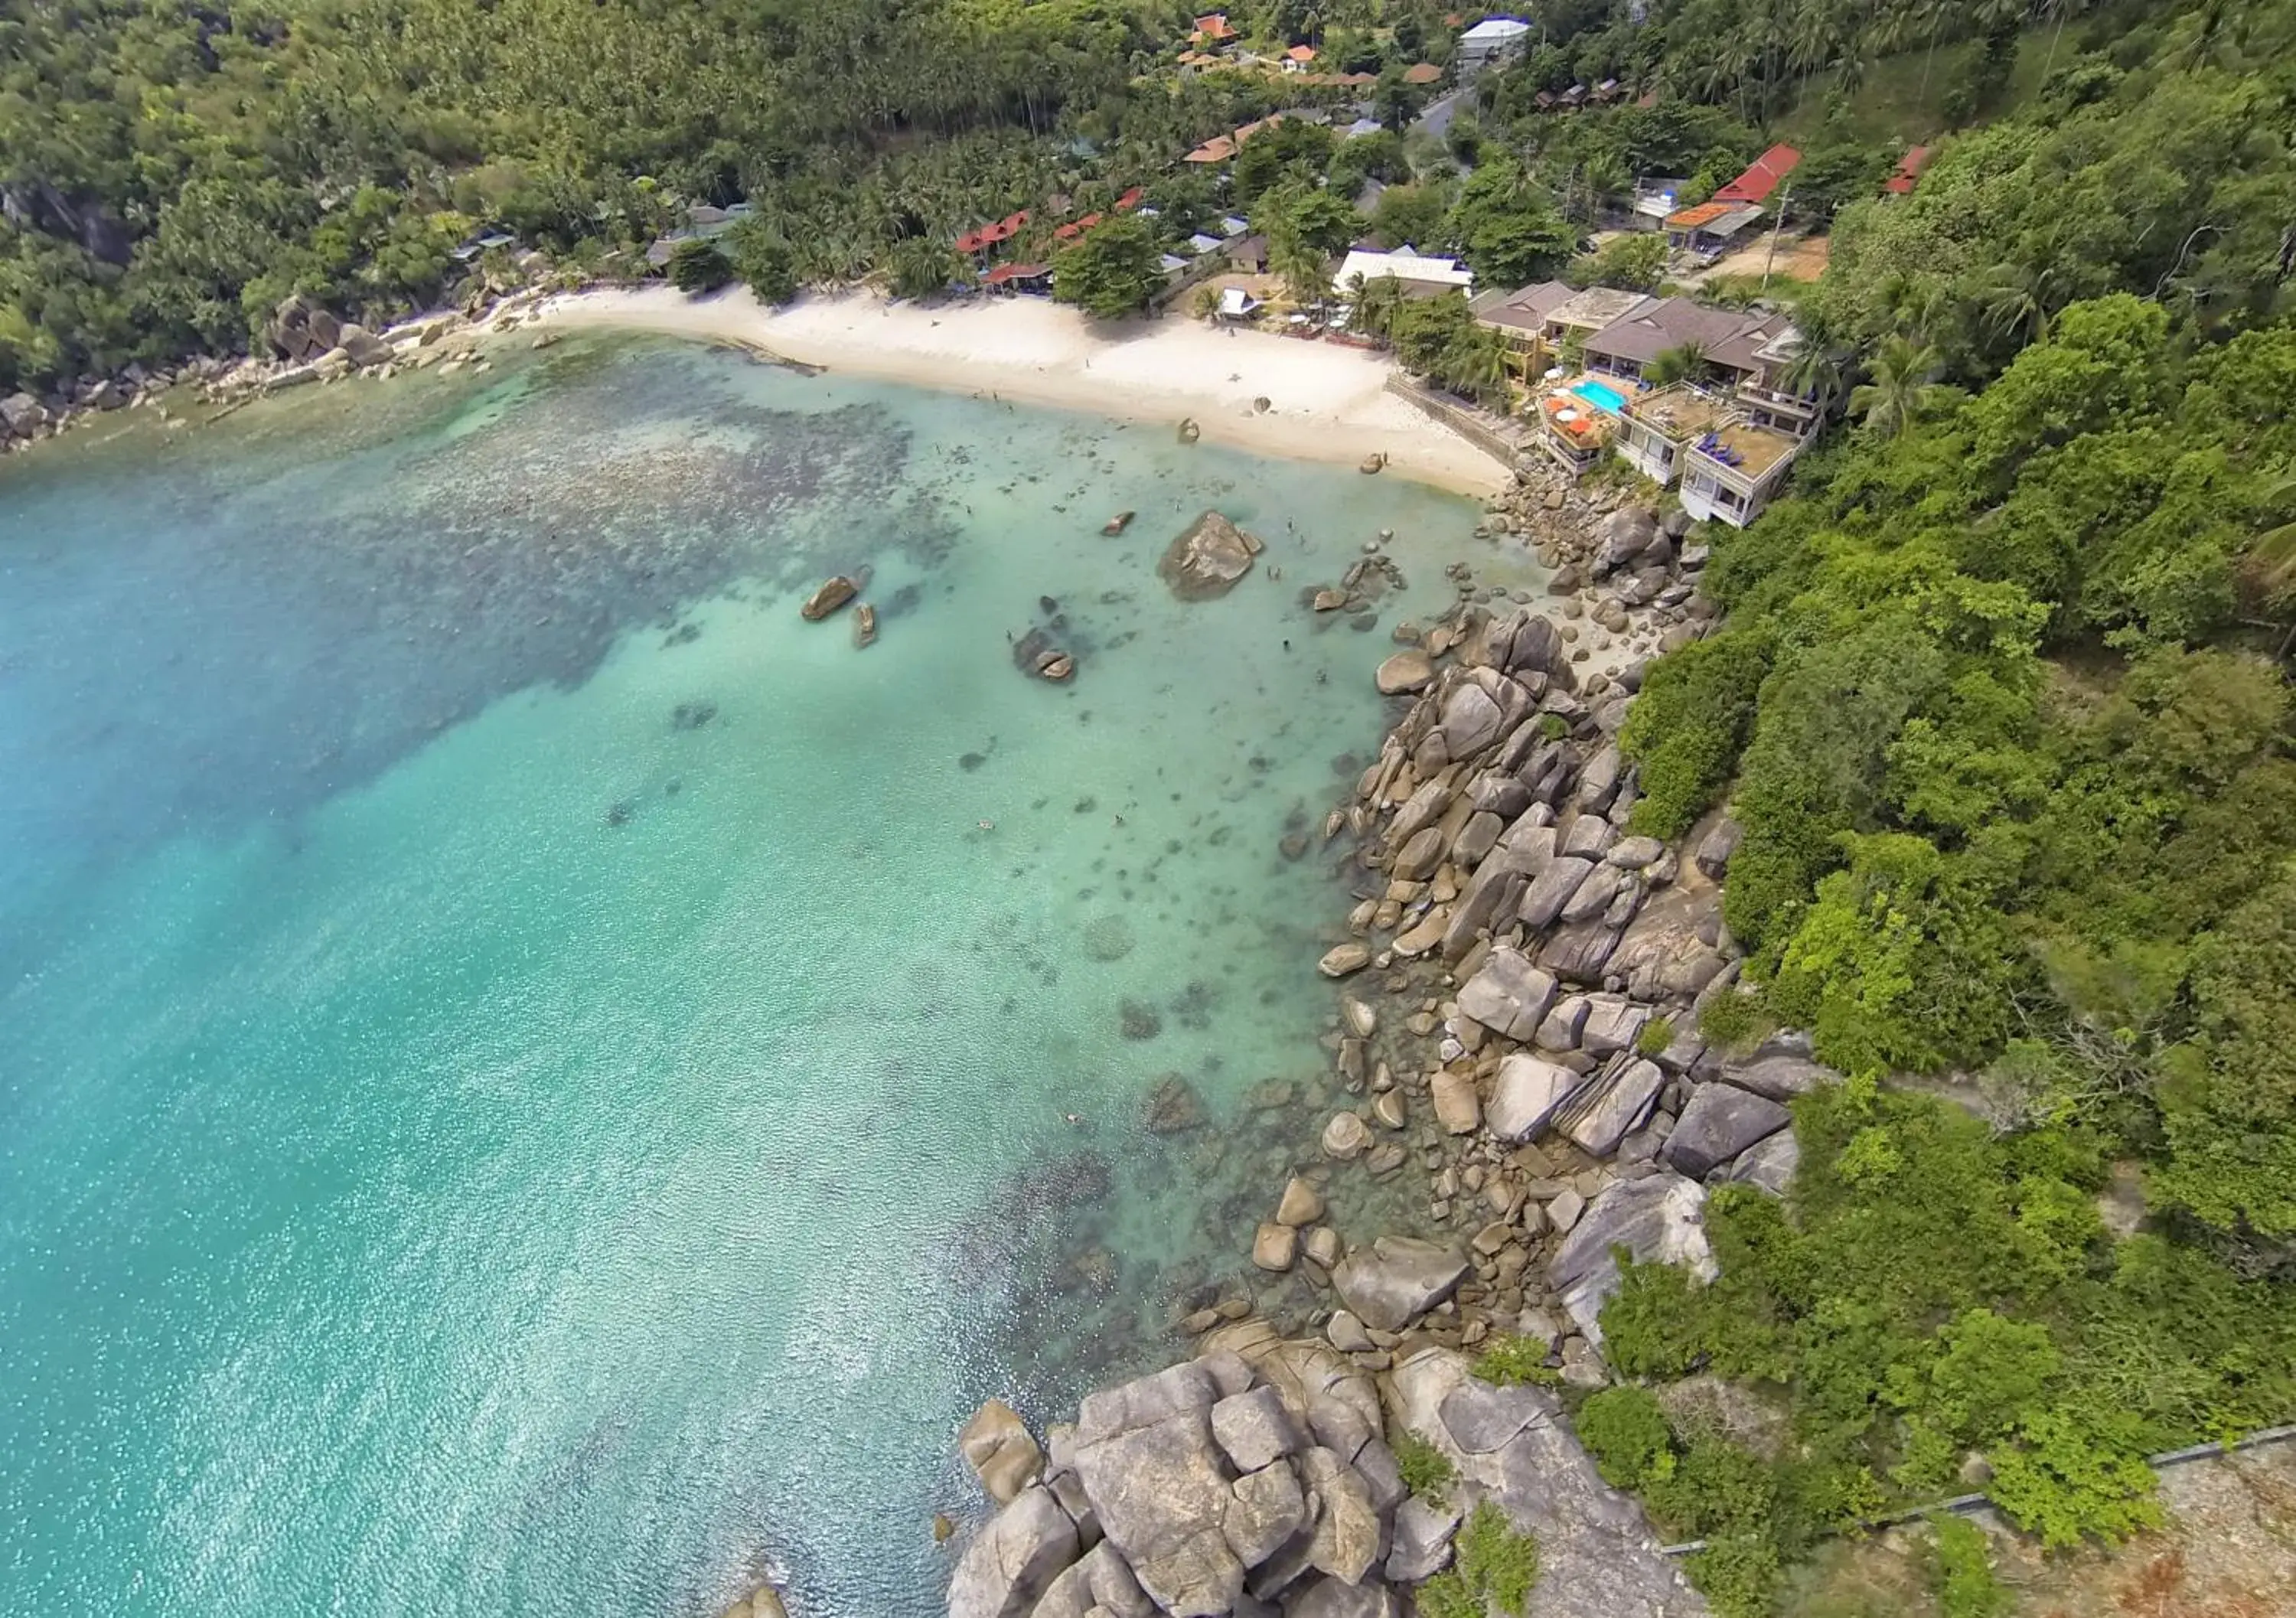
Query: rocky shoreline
x=306, y=344
x=1519, y=984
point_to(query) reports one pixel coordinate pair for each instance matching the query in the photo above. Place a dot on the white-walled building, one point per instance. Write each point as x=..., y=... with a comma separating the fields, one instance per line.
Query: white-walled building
x=1419, y=272
x=1491, y=41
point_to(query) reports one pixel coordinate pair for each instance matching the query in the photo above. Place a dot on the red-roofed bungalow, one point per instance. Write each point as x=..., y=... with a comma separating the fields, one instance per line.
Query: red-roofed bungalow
x=1131, y=200
x=1909, y=171
x=988, y=235
x=1757, y=184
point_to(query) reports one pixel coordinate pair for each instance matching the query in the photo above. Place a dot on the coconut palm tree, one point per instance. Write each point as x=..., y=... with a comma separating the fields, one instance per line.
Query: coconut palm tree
x=1901, y=389
x=1816, y=372
x=1813, y=38
x=2013, y=303
x=2058, y=10
x=1683, y=363
x=1375, y=303
x=1934, y=14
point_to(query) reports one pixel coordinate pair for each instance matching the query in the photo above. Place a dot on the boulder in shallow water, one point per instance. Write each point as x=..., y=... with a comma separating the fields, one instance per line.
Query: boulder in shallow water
x=998, y=1446
x=833, y=592
x=1206, y=559
x=1173, y=1107
x=1405, y=672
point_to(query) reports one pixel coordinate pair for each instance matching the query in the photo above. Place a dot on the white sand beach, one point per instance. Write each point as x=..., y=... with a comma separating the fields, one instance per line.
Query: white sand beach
x=1327, y=402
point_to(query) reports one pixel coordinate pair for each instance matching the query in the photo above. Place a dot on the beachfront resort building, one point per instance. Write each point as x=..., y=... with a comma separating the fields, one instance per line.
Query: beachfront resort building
x=1539, y=323
x=1422, y=275
x=1725, y=434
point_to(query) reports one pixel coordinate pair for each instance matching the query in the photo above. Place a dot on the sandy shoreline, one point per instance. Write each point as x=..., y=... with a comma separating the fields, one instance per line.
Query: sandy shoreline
x=1328, y=403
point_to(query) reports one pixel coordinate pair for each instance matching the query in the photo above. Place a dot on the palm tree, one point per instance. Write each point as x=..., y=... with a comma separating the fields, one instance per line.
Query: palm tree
x=1302, y=270
x=1934, y=13
x=1685, y=362
x=1816, y=372
x=1813, y=39
x=2059, y=10
x=1375, y=303
x=2013, y=303
x=1474, y=363
x=1901, y=391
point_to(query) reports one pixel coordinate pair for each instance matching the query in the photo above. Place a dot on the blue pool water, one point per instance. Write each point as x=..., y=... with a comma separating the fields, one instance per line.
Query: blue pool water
x=1600, y=394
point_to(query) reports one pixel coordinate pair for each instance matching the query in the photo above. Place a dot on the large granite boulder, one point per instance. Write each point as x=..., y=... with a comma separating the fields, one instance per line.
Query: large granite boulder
x=998, y=1447
x=1254, y=1428
x=1509, y=996
x=1526, y=1095
x=1207, y=558
x=1396, y=1279
x=1099, y=1584
x=1620, y=1105
x=1470, y=720
x=22, y=416
x=1716, y=847
x=1161, y=1491
x=1769, y=1164
x=1597, y=1556
x=1779, y=1074
x=1551, y=889
x=1720, y=1122
x=1408, y=670
x=1266, y=1509
x=300, y=330
x=1625, y=535
x=1351, y=1539
x=1309, y=1374
x=364, y=347
x=1012, y=1561
x=1659, y=1219
x=1419, y=1540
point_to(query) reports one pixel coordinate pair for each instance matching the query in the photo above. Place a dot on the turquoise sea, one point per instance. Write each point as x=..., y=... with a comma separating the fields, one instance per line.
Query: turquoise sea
x=533, y=1080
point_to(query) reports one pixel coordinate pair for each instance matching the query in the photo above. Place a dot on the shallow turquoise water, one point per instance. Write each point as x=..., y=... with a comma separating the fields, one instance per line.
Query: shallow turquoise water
x=525, y=1079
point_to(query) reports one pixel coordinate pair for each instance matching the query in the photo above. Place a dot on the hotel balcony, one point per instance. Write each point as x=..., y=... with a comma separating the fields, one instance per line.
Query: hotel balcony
x=1657, y=429
x=1730, y=473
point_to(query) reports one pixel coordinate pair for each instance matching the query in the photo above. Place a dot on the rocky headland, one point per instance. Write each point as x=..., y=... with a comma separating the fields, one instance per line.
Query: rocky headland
x=1519, y=983
x=1258, y=1478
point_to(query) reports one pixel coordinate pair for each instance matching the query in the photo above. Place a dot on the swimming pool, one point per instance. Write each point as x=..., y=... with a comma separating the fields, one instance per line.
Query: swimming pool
x=1600, y=394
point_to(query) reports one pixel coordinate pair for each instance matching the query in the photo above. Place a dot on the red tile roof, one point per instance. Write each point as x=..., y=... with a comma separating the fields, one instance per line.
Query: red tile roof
x=1705, y=213
x=1215, y=26
x=1301, y=52
x=990, y=235
x=1004, y=272
x=1910, y=170
x=1422, y=73
x=1757, y=184
x=1130, y=199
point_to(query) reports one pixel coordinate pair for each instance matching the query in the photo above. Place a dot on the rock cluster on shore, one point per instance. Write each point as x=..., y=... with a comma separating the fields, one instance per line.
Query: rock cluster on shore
x=1257, y=1479
x=1537, y=969
x=302, y=343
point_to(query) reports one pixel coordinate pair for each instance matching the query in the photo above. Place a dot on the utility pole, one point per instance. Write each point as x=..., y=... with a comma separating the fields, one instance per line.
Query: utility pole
x=1771, y=257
